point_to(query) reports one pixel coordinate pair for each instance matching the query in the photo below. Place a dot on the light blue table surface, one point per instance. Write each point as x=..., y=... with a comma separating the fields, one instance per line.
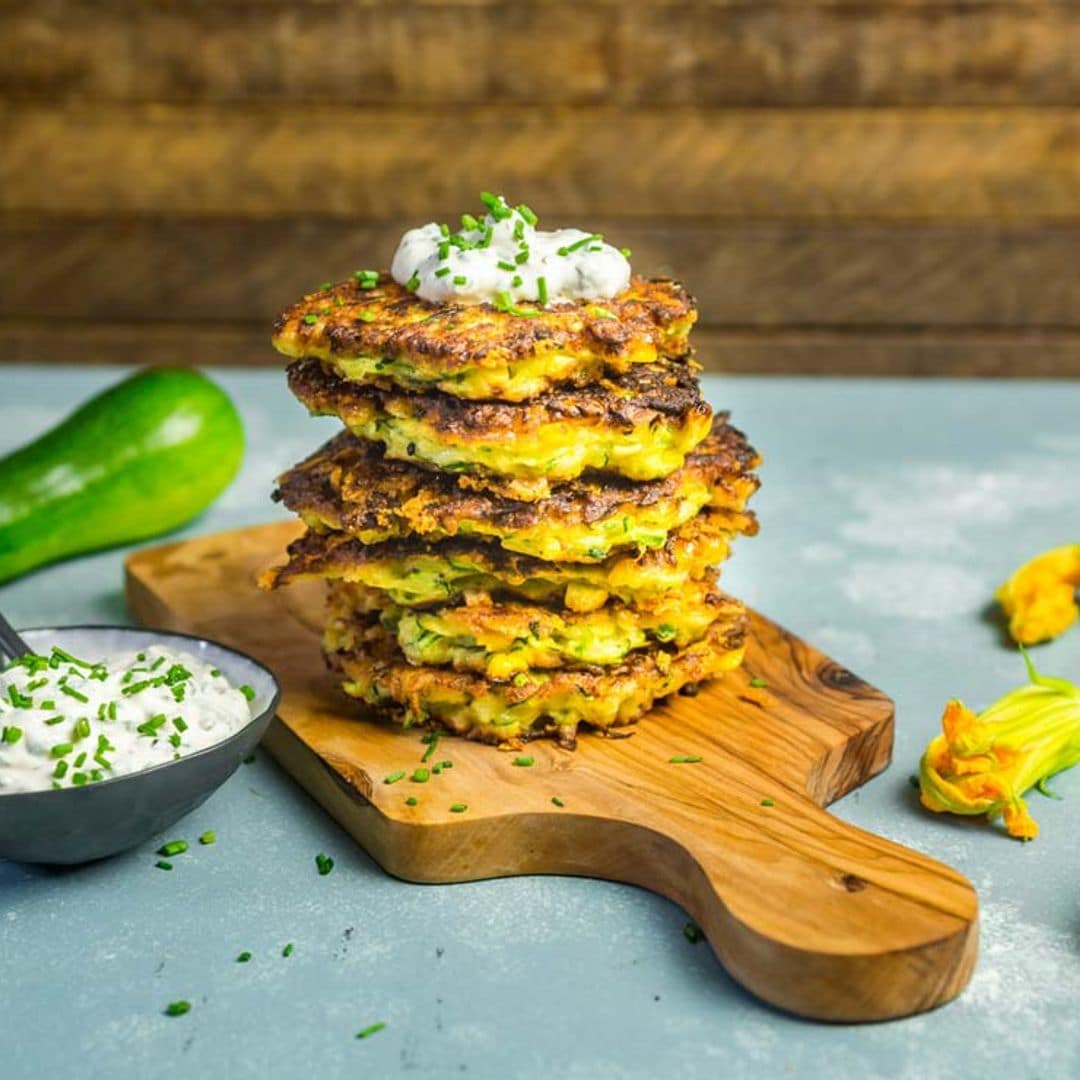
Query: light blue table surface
x=889, y=512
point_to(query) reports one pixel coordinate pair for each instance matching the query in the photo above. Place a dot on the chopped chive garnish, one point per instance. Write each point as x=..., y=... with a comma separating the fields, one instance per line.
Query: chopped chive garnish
x=161, y=864
x=411, y=800
x=414, y=282
x=557, y=801
x=61, y=770
x=207, y=838
x=37, y=684
x=324, y=863
x=80, y=761
x=394, y=777
x=758, y=683
x=522, y=257
x=77, y=695
x=602, y=312
x=175, y=740
x=625, y=252
x=524, y=761
x=469, y=223
x=288, y=950
x=216, y=672
x=693, y=933
x=420, y=776
x=53, y=720
x=458, y=808
x=11, y=734
x=460, y=279
x=247, y=691
x=371, y=1029
x=80, y=779
x=244, y=957
x=61, y=750
x=517, y=281
x=542, y=290
x=67, y=658
x=311, y=320
x=179, y=723
x=112, y=710
x=446, y=764
x=686, y=759
x=139, y=687
x=507, y=266
x=527, y=214
x=577, y=245
x=48, y=705
x=432, y=741
x=102, y=761
x=82, y=728
x=367, y=279
x=173, y=847
x=177, y=1008
x=442, y=271
x=767, y=802
x=150, y=727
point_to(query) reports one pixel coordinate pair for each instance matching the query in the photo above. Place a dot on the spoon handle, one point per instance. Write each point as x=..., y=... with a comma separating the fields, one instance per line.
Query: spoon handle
x=11, y=645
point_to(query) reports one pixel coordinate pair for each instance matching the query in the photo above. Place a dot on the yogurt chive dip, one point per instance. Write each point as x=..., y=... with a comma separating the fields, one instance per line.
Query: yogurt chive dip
x=503, y=259
x=68, y=722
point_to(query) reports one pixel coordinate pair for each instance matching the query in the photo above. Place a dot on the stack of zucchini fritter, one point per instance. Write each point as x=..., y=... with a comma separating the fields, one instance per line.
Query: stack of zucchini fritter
x=521, y=522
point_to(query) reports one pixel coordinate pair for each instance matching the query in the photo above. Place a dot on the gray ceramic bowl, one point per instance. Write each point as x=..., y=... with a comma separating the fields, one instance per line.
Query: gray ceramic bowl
x=76, y=825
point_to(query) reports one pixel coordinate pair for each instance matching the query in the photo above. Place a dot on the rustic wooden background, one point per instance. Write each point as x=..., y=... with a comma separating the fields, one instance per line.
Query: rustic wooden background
x=881, y=186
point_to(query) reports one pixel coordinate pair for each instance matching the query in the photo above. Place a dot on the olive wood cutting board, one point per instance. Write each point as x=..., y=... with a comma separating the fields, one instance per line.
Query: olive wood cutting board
x=806, y=911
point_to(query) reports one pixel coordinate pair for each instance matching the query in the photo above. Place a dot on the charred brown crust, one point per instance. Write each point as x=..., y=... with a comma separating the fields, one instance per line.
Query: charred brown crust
x=653, y=674
x=349, y=485
x=387, y=320
x=331, y=554
x=645, y=394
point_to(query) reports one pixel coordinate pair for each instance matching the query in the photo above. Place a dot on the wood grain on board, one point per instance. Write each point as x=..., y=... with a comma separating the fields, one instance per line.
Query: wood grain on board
x=810, y=913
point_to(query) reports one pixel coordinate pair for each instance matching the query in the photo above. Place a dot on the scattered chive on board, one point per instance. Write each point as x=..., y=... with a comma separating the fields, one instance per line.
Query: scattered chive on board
x=324, y=864
x=177, y=1008
x=371, y=1029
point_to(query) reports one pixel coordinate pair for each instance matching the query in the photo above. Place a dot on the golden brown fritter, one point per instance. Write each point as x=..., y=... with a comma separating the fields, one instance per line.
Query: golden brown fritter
x=640, y=424
x=415, y=573
x=501, y=639
x=349, y=486
x=389, y=336
x=533, y=704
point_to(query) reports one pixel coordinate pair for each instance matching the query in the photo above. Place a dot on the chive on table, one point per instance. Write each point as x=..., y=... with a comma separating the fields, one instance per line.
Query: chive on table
x=889, y=510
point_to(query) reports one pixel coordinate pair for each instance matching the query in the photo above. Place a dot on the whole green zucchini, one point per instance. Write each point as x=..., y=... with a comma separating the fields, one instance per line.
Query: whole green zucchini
x=142, y=458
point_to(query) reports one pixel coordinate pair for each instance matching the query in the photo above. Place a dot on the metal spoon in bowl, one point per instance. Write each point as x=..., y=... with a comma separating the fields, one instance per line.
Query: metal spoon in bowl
x=11, y=645
x=79, y=824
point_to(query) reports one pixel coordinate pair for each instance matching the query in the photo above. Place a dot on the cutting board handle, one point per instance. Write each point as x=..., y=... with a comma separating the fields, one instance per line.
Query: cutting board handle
x=811, y=914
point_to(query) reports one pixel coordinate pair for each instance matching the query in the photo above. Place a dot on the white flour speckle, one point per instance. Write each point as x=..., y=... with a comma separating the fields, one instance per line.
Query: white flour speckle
x=936, y=509
x=822, y=554
x=915, y=590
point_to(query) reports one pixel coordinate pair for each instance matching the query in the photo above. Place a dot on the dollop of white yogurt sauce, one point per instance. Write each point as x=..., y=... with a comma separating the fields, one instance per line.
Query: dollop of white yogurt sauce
x=66, y=721
x=504, y=259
